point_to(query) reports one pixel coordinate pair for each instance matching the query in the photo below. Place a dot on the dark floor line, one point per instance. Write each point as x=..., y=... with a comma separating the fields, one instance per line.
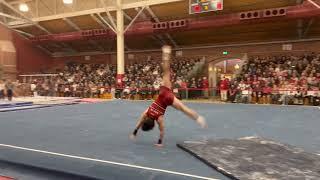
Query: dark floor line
x=38, y=107
x=49, y=170
x=222, y=171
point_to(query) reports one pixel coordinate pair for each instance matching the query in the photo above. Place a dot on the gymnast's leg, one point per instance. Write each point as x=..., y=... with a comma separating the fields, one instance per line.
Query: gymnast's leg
x=189, y=112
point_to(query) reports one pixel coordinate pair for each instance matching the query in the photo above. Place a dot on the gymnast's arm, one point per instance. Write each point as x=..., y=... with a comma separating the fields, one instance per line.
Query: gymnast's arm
x=161, y=129
x=139, y=124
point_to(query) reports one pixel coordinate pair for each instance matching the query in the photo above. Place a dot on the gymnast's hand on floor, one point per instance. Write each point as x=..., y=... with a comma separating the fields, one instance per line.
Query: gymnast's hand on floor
x=133, y=137
x=158, y=145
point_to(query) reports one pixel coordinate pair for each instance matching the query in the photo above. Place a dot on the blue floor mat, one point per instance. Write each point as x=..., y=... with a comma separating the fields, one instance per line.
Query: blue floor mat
x=100, y=131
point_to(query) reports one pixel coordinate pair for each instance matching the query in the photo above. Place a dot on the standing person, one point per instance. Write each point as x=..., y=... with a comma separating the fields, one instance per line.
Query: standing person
x=224, y=86
x=166, y=98
x=1, y=89
x=184, y=87
x=33, y=87
x=9, y=87
x=199, y=90
x=205, y=86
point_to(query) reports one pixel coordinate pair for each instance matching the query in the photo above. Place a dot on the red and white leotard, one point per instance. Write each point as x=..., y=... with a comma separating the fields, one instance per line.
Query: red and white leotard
x=159, y=106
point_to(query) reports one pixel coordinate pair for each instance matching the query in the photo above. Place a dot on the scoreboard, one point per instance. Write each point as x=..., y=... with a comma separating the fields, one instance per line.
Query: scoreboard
x=201, y=6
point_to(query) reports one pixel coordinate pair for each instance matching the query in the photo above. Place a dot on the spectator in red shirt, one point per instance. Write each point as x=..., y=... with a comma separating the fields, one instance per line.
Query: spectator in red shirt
x=266, y=92
x=257, y=88
x=318, y=77
x=184, y=87
x=184, y=84
x=224, y=86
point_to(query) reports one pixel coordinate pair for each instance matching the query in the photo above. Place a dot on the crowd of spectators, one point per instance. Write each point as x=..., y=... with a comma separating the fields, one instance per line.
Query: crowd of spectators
x=93, y=80
x=272, y=79
x=276, y=79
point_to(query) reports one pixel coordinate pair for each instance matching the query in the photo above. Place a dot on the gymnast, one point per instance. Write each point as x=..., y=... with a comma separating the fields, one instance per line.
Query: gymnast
x=156, y=111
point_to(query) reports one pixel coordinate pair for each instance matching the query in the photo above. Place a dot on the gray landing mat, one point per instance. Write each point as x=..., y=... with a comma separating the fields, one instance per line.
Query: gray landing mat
x=255, y=158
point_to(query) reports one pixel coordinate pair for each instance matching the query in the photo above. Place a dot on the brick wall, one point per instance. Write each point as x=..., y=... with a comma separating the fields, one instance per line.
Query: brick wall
x=30, y=59
x=19, y=56
x=7, y=54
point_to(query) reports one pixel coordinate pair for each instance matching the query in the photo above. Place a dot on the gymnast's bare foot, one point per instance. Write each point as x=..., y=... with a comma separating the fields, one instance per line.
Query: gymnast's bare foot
x=202, y=122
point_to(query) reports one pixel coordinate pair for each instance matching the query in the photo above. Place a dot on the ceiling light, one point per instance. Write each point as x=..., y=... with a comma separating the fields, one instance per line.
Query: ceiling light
x=67, y=1
x=23, y=7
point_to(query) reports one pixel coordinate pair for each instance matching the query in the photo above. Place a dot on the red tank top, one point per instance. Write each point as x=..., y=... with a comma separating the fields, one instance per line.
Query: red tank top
x=159, y=106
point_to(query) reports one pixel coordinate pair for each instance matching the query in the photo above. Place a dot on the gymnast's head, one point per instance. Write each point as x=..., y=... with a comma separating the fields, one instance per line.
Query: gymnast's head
x=148, y=124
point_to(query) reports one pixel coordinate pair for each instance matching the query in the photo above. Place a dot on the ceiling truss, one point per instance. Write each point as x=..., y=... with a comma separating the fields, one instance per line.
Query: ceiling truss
x=76, y=27
x=81, y=10
x=101, y=12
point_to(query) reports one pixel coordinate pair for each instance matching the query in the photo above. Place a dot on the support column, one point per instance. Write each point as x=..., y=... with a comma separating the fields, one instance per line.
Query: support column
x=120, y=44
x=212, y=75
x=225, y=65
